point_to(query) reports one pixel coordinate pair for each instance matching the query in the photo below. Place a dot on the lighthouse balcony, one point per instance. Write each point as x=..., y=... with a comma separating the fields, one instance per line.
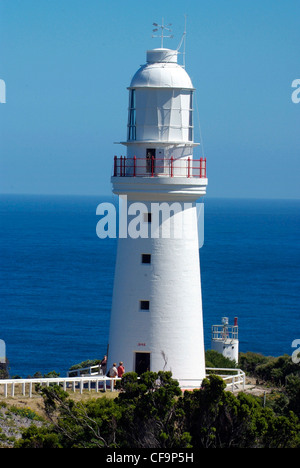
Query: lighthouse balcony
x=154, y=167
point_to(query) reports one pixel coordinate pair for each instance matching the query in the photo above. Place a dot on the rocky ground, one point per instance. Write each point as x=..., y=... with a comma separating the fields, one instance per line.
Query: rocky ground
x=12, y=420
x=20, y=412
x=256, y=388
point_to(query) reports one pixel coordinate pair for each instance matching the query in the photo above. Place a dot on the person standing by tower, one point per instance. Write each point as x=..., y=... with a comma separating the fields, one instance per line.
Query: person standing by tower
x=113, y=372
x=103, y=365
x=121, y=370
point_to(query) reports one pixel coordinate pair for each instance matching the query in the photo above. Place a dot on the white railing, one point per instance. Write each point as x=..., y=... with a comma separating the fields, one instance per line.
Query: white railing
x=101, y=382
x=93, y=370
x=237, y=377
x=233, y=380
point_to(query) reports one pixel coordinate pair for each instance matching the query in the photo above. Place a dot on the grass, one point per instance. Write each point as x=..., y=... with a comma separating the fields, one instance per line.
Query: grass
x=36, y=403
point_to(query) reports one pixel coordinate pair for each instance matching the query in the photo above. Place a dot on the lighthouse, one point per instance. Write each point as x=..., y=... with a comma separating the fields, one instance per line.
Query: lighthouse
x=156, y=317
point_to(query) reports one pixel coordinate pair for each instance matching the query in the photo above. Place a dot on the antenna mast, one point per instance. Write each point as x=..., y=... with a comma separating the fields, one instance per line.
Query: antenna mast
x=183, y=40
x=162, y=27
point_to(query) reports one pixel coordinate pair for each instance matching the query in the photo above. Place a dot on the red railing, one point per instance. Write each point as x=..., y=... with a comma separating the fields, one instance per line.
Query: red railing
x=152, y=167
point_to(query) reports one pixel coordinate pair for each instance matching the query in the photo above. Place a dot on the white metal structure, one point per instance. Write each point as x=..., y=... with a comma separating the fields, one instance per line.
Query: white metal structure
x=156, y=318
x=225, y=340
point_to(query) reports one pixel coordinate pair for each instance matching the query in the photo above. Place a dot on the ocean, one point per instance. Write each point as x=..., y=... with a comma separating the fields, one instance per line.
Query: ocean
x=56, y=277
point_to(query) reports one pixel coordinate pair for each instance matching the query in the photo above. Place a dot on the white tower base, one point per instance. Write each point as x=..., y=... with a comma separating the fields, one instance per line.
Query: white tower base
x=156, y=319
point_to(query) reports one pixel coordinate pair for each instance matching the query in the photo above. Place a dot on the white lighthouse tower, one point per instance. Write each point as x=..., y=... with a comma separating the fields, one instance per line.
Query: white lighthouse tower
x=156, y=317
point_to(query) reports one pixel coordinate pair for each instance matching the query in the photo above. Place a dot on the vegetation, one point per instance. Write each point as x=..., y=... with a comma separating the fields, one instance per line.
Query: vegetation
x=12, y=419
x=84, y=364
x=269, y=369
x=282, y=374
x=3, y=370
x=152, y=412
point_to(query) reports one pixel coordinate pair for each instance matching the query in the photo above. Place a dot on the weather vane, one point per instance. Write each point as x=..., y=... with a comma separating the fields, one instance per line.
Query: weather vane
x=163, y=28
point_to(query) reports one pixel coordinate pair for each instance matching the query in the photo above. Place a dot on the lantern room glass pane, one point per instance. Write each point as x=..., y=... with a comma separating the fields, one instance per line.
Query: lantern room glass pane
x=191, y=125
x=132, y=116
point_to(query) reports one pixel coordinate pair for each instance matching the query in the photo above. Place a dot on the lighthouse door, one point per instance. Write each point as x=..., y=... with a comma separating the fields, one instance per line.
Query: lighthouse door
x=150, y=160
x=142, y=362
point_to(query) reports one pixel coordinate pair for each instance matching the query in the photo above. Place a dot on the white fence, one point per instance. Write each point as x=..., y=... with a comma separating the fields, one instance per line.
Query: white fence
x=233, y=381
x=89, y=382
x=95, y=381
x=93, y=370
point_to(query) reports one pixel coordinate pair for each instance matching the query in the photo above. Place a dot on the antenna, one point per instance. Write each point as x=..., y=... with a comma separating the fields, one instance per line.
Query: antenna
x=183, y=40
x=163, y=28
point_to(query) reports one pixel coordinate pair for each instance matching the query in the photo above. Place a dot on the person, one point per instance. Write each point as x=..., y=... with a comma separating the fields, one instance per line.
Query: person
x=103, y=365
x=113, y=372
x=121, y=369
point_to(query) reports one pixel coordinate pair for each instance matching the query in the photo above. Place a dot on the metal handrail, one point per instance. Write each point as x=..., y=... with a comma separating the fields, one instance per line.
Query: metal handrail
x=236, y=379
x=81, y=370
x=64, y=381
x=153, y=167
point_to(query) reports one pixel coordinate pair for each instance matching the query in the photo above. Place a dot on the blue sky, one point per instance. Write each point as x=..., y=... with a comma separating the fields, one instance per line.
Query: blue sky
x=67, y=64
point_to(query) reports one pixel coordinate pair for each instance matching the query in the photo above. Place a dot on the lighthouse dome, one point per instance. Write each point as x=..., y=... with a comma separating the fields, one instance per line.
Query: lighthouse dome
x=161, y=71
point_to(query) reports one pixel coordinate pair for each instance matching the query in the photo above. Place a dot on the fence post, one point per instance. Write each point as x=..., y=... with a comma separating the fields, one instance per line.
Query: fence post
x=203, y=168
x=134, y=166
x=121, y=166
x=172, y=166
x=115, y=166
x=189, y=164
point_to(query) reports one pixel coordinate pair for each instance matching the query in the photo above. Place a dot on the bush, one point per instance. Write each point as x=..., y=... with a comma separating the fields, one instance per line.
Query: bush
x=249, y=362
x=215, y=359
x=270, y=369
x=151, y=412
x=84, y=364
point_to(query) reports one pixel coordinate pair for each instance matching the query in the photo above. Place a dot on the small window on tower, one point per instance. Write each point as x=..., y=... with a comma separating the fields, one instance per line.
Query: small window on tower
x=144, y=305
x=146, y=258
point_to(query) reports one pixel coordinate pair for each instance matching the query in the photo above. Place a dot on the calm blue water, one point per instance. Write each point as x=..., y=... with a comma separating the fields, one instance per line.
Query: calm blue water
x=56, y=277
